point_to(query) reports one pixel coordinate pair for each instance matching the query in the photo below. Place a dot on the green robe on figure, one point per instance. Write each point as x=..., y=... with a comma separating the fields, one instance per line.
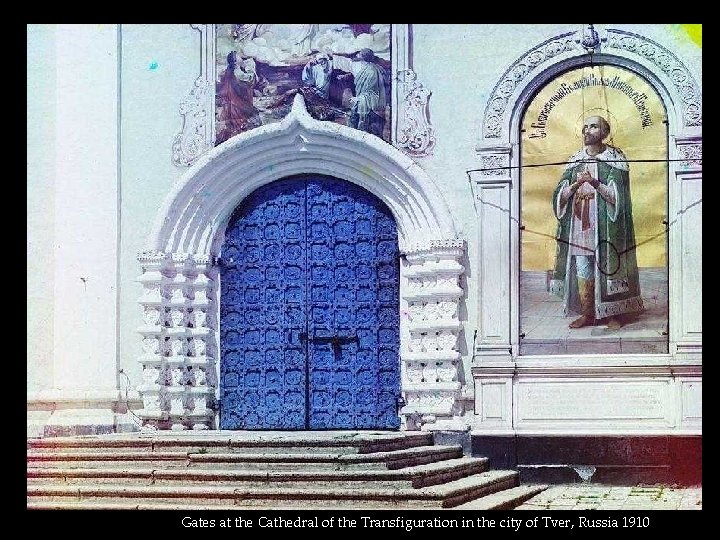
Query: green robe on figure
x=617, y=283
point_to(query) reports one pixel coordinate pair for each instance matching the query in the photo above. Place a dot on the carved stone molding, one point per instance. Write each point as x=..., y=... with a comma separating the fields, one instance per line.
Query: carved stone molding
x=685, y=85
x=150, y=257
x=516, y=73
x=414, y=136
x=411, y=129
x=178, y=371
x=453, y=247
x=296, y=145
x=197, y=134
x=617, y=46
x=430, y=357
x=690, y=152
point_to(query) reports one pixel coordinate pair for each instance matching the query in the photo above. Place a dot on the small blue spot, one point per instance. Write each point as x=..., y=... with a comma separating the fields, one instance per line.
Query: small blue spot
x=153, y=65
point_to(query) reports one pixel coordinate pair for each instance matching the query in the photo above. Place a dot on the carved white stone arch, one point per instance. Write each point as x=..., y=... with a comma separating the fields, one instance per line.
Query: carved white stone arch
x=497, y=369
x=180, y=296
x=536, y=67
x=209, y=191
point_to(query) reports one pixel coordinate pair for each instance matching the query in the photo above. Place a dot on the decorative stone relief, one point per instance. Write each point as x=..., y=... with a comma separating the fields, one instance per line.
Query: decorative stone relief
x=151, y=402
x=199, y=377
x=151, y=375
x=590, y=39
x=582, y=42
x=176, y=383
x=691, y=153
x=430, y=357
x=195, y=137
x=498, y=102
x=198, y=347
x=415, y=136
x=494, y=165
x=151, y=317
x=199, y=318
x=197, y=134
x=669, y=64
x=177, y=318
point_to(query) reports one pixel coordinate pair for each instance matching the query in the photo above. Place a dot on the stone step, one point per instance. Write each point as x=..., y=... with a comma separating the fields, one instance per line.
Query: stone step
x=504, y=500
x=252, y=442
x=395, y=459
x=409, y=477
x=88, y=459
x=111, y=505
x=211, y=448
x=445, y=495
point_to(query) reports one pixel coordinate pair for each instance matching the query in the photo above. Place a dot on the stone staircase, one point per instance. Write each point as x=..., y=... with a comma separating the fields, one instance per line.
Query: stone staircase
x=253, y=470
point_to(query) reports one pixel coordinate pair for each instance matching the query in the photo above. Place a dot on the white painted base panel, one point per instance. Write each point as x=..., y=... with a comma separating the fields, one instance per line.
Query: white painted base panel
x=576, y=399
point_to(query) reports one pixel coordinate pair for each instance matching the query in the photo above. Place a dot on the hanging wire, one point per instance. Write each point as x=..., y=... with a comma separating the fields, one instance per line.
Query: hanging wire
x=582, y=95
x=603, y=89
x=135, y=417
x=589, y=42
x=554, y=163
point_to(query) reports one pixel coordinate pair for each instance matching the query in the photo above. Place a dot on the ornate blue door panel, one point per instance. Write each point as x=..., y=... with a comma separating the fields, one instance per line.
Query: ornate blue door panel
x=262, y=312
x=318, y=257
x=353, y=317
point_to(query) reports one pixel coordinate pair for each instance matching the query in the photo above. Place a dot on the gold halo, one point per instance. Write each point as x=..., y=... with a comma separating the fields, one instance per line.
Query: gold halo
x=615, y=126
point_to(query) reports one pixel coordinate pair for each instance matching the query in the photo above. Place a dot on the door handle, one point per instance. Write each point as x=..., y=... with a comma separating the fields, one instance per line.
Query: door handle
x=399, y=404
x=335, y=340
x=302, y=336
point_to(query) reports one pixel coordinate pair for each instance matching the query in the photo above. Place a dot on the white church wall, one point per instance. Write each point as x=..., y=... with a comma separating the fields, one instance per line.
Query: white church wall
x=128, y=87
x=85, y=235
x=40, y=204
x=159, y=65
x=460, y=64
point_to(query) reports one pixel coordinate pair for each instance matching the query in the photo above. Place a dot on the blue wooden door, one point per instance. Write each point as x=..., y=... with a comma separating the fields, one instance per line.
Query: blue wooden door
x=309, y=309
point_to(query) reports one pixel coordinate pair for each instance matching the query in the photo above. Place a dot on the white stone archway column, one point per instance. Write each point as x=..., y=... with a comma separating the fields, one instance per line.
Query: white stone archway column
x=430, y=359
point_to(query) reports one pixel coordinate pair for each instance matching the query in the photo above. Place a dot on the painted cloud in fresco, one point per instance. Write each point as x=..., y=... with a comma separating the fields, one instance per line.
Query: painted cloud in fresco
x=290, y=44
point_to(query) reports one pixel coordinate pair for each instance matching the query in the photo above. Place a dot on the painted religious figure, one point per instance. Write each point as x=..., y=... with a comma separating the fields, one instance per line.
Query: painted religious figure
x=596, y=271
x=234, y=99
x=342, y=71
x=593, y=210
